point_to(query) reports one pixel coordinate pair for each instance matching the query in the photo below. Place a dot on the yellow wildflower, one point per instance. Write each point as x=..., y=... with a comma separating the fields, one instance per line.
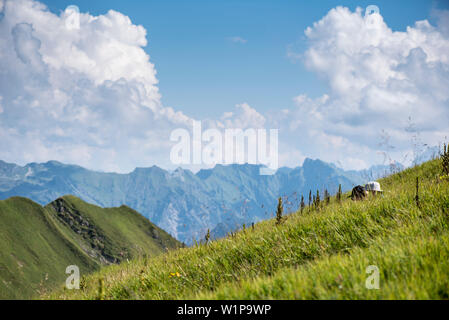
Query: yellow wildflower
x=174, y=274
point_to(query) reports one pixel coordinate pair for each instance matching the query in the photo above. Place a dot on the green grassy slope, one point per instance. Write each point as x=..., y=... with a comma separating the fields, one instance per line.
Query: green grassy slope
x=315, y=254
x=33, y=255
x=38, y=243
x=109, y=235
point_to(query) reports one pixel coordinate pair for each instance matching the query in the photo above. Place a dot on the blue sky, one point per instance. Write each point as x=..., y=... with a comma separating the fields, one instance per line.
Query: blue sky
x=203, y=73
x=346, y=88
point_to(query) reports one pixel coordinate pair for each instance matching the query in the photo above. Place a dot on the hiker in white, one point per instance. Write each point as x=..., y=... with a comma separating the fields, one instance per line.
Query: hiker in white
x=373, y=187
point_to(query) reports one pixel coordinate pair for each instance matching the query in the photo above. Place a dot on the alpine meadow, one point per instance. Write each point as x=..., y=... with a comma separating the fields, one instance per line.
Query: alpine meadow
x=321, y=252
x=224, y=159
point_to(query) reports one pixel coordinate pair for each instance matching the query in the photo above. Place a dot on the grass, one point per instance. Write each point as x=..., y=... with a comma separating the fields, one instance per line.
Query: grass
x=317, y=254
x=38, y=243
x=33, y=255
x=109, y=234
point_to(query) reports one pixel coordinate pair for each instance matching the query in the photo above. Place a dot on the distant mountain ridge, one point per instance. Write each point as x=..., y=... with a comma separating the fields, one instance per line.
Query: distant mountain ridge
x=181, y=202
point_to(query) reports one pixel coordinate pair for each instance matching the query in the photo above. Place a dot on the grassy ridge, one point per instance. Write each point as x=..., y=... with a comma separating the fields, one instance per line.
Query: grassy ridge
x=38, y=243
x=33, y=254
x=109, y=235
x=315, y=254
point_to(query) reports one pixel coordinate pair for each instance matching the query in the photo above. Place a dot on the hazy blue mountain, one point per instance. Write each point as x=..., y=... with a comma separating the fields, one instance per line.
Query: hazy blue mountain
x=426, y=154
x=181, y=202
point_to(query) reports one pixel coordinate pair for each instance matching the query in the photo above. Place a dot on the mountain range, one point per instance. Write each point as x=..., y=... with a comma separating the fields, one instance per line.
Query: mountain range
x=184, y=204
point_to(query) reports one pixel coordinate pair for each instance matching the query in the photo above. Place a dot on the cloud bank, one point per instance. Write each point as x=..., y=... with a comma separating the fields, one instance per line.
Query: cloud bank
x=384, y=88
x=90, y=95
x=87, y=96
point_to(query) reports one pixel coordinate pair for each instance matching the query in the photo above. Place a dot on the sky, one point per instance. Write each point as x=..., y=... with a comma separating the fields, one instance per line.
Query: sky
x=108, y=95
x=202, y=71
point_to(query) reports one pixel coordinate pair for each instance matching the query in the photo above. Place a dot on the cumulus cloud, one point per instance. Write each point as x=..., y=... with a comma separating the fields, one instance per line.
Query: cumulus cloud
x=243, y=117
x=87, y=96
x=378, y=80
x=90, y=96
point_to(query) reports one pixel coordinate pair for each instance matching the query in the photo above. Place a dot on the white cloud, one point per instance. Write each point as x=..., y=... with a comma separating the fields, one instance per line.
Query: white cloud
x=91, y=97
x=86, y=96
x=244, y=117
x=238, y=40
x=378, y=78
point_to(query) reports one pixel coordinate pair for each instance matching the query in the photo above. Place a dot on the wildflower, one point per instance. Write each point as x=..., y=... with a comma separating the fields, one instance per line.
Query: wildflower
x=174, y=274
